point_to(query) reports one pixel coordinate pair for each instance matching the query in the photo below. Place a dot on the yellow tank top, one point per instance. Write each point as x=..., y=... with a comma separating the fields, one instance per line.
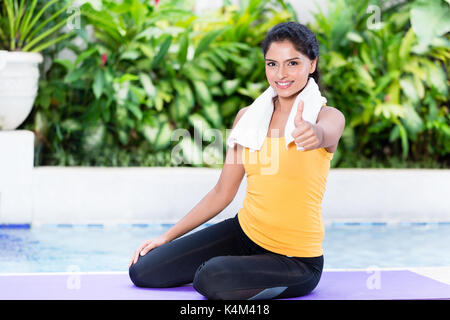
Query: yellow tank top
x=282, y=209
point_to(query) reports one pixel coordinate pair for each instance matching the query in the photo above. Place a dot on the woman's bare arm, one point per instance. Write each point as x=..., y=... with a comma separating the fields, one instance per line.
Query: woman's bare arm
x=219, y=197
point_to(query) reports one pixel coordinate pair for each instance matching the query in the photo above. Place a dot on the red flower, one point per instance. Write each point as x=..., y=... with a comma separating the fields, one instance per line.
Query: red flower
x=156, y=2
x=104, y=58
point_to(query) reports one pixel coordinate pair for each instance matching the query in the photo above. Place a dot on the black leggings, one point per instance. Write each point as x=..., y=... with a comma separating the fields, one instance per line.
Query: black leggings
x=224, y=264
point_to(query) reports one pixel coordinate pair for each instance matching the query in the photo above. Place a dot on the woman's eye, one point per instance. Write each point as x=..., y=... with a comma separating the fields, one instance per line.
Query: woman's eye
x=271, y=64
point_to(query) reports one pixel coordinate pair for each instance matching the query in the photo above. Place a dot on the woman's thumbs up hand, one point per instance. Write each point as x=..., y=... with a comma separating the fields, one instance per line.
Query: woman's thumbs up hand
x=306, y=135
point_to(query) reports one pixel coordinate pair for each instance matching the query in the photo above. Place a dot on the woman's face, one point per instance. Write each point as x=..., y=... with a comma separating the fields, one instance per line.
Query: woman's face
x=287, y=69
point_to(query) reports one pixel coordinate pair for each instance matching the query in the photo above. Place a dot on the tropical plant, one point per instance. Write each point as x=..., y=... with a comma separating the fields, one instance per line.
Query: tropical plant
x=151, y=68
x=146, y=71
x=32, y=27
x=389, y=77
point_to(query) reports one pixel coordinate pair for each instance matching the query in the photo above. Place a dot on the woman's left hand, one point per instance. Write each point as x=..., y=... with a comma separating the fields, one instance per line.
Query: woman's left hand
x=306, y=135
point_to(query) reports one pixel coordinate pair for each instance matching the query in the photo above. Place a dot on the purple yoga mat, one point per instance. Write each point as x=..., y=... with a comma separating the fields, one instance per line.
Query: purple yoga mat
x=334, y=285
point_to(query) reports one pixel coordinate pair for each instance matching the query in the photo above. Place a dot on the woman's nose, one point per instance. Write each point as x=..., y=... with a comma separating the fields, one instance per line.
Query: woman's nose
x=281, y=72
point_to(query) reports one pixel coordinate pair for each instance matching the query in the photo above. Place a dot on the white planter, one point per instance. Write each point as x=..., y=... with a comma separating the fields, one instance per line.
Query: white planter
x=19, y=76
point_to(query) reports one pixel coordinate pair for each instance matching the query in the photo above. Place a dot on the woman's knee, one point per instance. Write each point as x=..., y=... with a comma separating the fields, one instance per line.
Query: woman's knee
x=216, y=280
x=140, y=276
x=145, y=273
x=219, y=279
x=136, y=276
x=209, y=278
x=302, y=289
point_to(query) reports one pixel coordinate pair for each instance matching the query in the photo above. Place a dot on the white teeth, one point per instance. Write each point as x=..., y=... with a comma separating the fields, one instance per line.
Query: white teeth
x=284, y=83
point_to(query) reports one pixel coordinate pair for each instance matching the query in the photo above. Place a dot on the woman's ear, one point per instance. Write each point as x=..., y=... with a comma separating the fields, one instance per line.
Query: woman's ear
x=312, y=68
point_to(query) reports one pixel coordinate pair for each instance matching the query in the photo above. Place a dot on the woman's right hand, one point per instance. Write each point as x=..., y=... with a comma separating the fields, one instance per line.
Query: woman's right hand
x=146, y=246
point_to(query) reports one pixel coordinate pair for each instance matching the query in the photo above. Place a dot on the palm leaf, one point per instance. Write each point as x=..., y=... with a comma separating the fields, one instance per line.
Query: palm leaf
x=38, y=15
x=43, y=35
x=9, y=11
x=26, y=20
x=18, y=14
x=49, y=43
x=52, y=18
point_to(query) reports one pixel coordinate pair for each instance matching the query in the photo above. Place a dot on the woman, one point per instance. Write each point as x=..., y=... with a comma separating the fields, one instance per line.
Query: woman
x=272, y=247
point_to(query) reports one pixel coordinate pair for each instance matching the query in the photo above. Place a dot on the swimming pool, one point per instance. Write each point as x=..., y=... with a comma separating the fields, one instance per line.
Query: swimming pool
x=98, y=248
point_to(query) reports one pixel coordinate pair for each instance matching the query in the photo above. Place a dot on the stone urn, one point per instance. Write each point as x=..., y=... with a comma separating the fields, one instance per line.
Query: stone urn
x=19, y=75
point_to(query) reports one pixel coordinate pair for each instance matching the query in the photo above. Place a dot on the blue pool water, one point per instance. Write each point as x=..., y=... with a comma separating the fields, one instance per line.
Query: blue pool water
x=52, y=248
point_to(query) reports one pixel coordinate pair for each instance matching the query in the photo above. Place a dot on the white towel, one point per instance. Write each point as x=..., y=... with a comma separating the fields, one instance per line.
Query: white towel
x=252, y=128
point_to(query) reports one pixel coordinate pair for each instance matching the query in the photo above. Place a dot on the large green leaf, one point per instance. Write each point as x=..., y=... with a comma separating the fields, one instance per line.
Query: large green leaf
x=230, y=86
x=164, y=137
x=389, y=110
x=336, y=60
x=409, y=88
x=252, y=90
x=163, y=49
x=74, y=75
x=435, y=77
x=150, y=129
x=230, y=106
x=68, y=64
x=205, y=42
x=147, y=84
x=212, y=113
x=130, y=54
x=202, y=92
x=147, y=50
x=194, y=72
x=179, y=108
x=406, y=45
x=84, y=55
x=183, y=90
x=412, y=120
x=97, y=86
x=429, y=19
x=183, y=48
x=135, y=110
x=404, y=139
x=364, y=76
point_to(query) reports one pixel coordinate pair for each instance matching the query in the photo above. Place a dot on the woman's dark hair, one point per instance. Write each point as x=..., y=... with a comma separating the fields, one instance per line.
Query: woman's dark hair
x=303, y=39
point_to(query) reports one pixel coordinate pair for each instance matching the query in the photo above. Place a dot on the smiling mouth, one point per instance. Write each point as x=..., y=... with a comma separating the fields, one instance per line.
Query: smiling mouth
x=284, y=84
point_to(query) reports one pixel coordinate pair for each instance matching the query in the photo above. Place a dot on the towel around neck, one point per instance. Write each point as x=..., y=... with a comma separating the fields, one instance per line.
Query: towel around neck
x=252, y=128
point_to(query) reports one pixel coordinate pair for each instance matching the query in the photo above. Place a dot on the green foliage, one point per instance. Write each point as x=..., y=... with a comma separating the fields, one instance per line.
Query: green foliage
x=389, y=77
x=31, y=26
x=142, y=71
x=145, y=72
